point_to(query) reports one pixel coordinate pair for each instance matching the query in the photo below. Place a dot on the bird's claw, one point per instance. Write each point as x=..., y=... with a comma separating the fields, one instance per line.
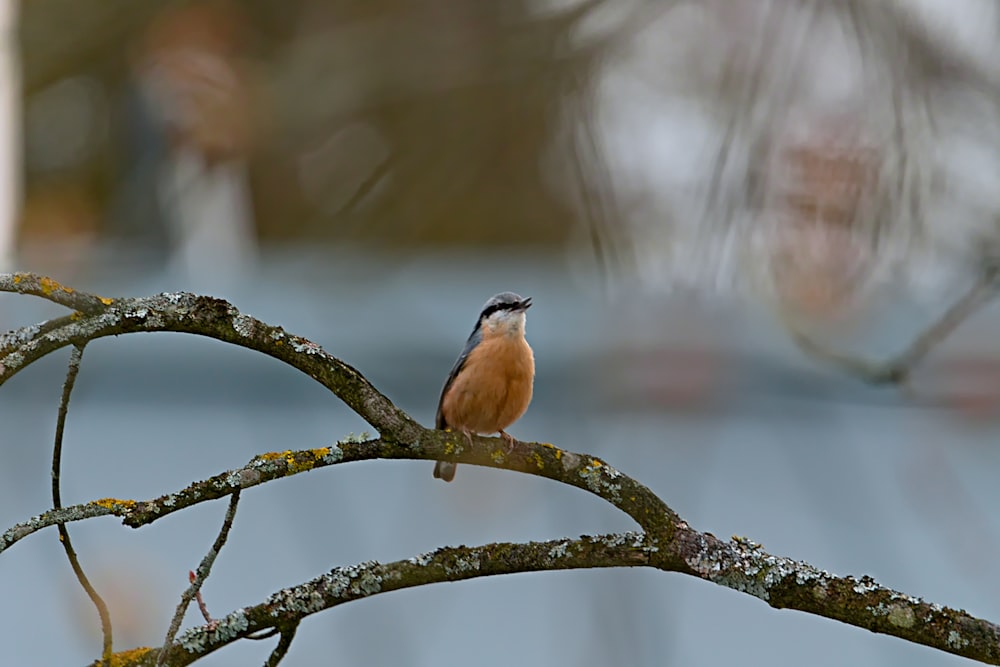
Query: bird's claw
x=510, y=441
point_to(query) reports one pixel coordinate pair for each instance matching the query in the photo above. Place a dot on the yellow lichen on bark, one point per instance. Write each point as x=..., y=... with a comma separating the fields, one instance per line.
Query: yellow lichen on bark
x=115, y=504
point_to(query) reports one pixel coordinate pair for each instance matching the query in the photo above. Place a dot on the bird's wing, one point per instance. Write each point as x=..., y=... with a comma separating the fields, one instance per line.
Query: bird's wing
x=470, y=345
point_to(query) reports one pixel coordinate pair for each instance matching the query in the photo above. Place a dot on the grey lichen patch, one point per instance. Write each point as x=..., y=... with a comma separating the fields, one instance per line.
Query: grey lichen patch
x=242, y=324
x=336, y=583
x=901, y=616
x=244, y=478
x=13, y=360
x=197, y=640
x=15, y=533
x=820, y=577
x=631, y=538
x=335, y=455
x=422, y=560
x=351, y=438
x=303, y=346
x=744, y=566
x=900, y=597
x=299, y=601
x=151, y=317
x=357, y=580
x=956, y=640
x=367, y=583
x=596, y=475
x=463, y=565
x=866, y=585
x=935, y=611
x=569, y=460
x=19, y=336
x=559, y=550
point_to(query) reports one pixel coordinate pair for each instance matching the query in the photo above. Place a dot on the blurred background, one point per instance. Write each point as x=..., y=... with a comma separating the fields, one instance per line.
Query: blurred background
x=674, y=183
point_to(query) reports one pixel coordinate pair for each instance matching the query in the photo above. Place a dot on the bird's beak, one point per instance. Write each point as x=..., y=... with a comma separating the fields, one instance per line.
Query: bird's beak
x=526, y=304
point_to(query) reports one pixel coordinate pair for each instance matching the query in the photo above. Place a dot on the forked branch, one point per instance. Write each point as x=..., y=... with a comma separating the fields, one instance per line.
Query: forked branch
x=666, y=542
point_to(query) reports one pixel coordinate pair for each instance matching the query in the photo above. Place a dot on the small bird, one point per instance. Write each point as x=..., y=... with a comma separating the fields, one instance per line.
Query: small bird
x=490, y=386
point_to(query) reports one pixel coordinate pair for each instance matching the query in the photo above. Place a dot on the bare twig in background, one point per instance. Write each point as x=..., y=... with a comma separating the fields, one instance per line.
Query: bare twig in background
x=204, y=569
x=898, y=369
x=76, y=356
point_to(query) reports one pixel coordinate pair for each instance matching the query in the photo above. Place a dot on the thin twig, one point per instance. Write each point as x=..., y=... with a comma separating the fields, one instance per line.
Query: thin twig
x=982, y=292
x=898, y=369
x=204, y=569
x=202, y=607
x=75, y=357
x=285, y=643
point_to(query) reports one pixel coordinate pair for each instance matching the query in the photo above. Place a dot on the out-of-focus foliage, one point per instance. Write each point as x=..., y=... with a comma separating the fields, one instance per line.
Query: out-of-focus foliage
x=389, y=121
x=812, y=151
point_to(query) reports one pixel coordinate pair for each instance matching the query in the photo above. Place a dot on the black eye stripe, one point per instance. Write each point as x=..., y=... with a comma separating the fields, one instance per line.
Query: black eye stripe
x=497, y=307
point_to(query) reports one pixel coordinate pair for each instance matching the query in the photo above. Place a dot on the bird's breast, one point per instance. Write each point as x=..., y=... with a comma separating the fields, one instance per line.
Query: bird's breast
x=494, y=387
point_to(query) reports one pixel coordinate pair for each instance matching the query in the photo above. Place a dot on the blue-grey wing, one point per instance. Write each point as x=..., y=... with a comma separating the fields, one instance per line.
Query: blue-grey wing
x=470, y=345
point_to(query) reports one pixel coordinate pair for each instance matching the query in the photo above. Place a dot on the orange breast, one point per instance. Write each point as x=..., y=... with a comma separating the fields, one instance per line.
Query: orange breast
x=494, y=387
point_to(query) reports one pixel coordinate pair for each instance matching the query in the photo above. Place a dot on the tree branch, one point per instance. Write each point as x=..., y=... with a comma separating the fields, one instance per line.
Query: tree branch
x=284, y=643
x=204, y=569
x=739, y=564
x=580, y=470
x=205, y=316
x=49, y=289
x=668, y=543
x=76, y=356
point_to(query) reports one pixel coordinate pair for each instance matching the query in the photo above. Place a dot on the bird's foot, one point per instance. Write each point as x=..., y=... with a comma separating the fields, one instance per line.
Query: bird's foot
x=509, y=439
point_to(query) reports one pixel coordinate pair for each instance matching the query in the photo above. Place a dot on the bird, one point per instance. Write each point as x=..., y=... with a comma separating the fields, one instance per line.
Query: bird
x=491, y=384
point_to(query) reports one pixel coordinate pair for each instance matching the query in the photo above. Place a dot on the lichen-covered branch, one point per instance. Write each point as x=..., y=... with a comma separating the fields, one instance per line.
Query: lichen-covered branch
x=286, y=608
x=738, y=564
x=97, y=317
x=542, y=459
x=51, y=290
x=671, y=544
x=667, y=543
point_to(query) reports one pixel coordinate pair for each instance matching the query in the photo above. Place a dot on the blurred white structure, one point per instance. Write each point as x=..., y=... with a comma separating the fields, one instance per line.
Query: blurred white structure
x=191, y=72
x=10, y=132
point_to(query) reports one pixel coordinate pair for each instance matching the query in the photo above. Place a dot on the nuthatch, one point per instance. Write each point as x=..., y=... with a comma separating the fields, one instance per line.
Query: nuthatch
x=490, y=386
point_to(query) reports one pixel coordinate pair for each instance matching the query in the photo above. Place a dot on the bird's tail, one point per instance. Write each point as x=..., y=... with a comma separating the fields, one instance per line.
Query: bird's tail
x=444, y=470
